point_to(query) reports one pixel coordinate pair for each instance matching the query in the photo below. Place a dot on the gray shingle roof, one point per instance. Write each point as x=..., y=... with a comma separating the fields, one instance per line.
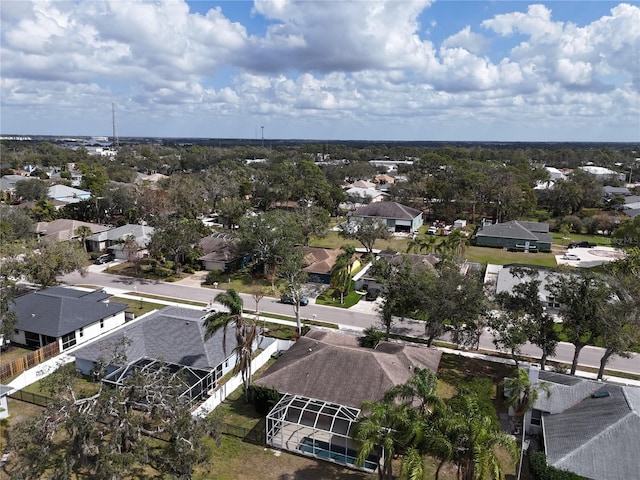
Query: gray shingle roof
x=173, y=334
x=597, y=438
x=57, y=311
x=387, y=210
x=519, y=230
x=332, y=367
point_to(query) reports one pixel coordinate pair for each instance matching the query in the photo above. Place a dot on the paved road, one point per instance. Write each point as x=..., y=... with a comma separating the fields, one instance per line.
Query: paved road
x=361, y=316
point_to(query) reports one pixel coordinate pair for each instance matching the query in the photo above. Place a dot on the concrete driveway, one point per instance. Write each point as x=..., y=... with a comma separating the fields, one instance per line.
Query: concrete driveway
x=589, y=257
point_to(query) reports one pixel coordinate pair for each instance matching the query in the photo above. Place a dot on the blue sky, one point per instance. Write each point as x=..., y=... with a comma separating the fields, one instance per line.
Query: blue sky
x=325, y=70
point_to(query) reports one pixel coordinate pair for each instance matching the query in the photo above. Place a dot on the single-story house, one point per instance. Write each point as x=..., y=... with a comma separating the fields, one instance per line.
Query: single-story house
x=320, y=261
x=65, y=194
x=8, y=183
x=68, y=316
x=114, y=239
x=505, y=281
x=220, y=253
x=588, y=427
x=610, y=192
x=63, y=229
x=603, y=173
x=321, y=398
x=172, y=338
x=515, y=235
x=397, y=217
x=366, y=194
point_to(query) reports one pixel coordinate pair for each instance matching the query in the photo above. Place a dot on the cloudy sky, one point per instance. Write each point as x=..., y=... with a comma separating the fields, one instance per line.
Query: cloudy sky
x=325, y=70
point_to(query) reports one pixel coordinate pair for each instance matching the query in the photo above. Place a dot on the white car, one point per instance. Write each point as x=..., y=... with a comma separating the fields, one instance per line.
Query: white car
x=571, y=256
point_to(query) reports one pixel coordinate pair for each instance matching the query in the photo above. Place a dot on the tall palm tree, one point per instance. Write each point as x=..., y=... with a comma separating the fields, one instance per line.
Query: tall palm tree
x=522, y=393
x=245, y=332
x=419, y=391
x=341, y=272
x=457, y=242
x=426, y=243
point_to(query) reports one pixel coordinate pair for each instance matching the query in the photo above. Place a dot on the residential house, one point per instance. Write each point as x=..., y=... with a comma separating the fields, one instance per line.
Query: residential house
x=67, y=316
x=506, y=279
x=516, y=235
x=365, y=195
x=603, y=173
x=174, y=338
x=113, y=240
x=554, y=175
x=321, y=398
x=397, y=217
x=220, y=253
x=63, y=229
x=320, y=261
x=65, y=194
x=588, y=427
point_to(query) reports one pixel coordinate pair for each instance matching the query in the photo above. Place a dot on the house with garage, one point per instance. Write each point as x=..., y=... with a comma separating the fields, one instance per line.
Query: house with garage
x=321, y=399
x=516, y=235
x=172, y=339
x=320, y=261
x=63, y=229
x=65, y=194
x=67, y=316
x=397, y=217
x=588, y=427
x=113, y=240
x=220, y=253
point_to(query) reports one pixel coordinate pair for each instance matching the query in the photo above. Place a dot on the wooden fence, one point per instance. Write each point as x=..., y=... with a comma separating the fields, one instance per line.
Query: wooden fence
x=28, y=361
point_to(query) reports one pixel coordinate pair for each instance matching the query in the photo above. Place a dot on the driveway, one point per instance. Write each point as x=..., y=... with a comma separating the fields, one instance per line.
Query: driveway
x=590, y=257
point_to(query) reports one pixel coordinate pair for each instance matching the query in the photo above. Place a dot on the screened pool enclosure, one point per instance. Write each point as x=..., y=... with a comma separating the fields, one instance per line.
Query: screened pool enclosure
x=195, y=382
x=316, y=428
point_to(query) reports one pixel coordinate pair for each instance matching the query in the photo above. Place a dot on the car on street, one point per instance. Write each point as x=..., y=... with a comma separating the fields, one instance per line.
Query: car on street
x=288, y=299
x=581, y=244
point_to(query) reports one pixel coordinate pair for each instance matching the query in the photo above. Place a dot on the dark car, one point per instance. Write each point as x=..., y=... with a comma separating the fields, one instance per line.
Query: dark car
x=372, y=294
x=292, y=301
x=106, y=258
x=582, y=244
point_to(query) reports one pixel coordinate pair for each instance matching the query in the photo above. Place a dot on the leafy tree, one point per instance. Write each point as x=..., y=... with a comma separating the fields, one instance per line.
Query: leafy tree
x=32, y=189
x=94, y=178
x=175, y=238
x=15, y=224
x=43, y=265
x=245, y=332
x=291, y=269
x=313, y=221
x=627, y=235
x=525, y=299
x=366, y=231
x=44, y=211
x=509, y=331
x=580, y=298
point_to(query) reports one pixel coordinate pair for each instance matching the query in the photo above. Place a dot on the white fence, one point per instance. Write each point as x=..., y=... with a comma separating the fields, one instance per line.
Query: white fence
x=270, y=346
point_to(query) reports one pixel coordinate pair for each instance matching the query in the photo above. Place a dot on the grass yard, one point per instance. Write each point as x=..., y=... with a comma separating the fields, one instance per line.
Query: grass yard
x=13, y=353
x=499, y=256
x=559, y=239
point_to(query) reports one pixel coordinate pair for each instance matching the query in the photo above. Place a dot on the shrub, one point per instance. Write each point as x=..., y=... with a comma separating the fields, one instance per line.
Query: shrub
x=372, y=337
x=162, y=272
x=188, y=270
x=263, y=398
x=541, y=471
x=212, y=277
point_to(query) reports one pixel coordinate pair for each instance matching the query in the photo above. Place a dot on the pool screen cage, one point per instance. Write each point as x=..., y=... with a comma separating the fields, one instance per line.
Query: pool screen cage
x=196, y=382
x=316, y=428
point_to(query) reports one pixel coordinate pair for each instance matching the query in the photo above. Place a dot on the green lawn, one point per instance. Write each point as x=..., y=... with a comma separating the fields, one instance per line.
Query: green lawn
x=559, y=239
x=499, y=256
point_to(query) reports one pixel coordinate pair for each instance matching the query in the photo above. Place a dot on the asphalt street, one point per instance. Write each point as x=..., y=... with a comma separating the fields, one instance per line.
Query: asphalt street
x=361, y=316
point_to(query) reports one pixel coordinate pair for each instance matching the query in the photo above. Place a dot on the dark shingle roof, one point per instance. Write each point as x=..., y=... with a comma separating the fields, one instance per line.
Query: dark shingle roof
x=57, y=311
x=173, y=334
x=332, y=367
x=387, y=210
x=518, y=230
x=598, y=437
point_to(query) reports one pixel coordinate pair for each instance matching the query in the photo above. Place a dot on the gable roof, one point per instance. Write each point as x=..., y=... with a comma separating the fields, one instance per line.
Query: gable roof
x=387, y=210
x=59, y=191
x=316, y=367
x=173, y=334
x=599, y=437
x=363, y=184
x=517, y=229
x=64, y=229
x=142, y=233
x=57, y=311
x=218, y=246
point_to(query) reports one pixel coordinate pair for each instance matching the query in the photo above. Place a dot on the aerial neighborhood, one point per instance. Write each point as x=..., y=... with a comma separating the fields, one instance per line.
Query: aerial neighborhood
x=171, y=309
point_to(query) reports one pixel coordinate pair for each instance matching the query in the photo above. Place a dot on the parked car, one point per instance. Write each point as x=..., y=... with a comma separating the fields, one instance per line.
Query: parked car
x=291, y=301
x=372, y=294
x=571, y=256
x=432, y=230
x=582, y=244
x=106, y=258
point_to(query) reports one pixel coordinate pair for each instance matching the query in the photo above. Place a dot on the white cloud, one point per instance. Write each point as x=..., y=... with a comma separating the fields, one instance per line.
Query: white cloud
x=345, y=65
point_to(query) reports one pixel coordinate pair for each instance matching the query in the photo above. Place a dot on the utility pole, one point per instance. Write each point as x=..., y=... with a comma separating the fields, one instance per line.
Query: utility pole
x=262, y=136
x=115, y=130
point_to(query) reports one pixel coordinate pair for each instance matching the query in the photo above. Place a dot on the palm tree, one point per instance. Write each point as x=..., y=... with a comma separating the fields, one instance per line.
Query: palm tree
x=457, y=242
x=425, y=243
x=341, y=272
x=419, y=391
x=246, y=332
x=381, y=427
x=83, y=232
